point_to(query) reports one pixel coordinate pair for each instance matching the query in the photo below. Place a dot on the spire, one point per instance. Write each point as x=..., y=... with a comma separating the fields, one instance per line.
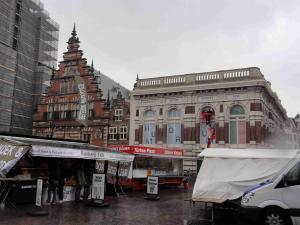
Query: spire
x=92, y=66
x=73, y=39
x=74, y=31
x=53, y=72
x=108, y=100
x=137, y=77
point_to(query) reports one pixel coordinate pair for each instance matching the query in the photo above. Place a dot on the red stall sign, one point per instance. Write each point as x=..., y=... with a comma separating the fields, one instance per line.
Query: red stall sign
x=133, y=149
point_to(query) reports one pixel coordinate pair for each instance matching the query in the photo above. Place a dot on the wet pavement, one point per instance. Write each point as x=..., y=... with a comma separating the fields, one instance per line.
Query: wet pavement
x=129, y=209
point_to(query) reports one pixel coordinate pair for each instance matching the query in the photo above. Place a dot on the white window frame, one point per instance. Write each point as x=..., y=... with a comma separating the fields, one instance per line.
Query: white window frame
x=123, y=132
x=113, y=133
x=118, y=114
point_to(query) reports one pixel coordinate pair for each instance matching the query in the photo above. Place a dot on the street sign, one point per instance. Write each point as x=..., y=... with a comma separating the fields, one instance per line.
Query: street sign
x=152, y=185
x=39, y=188
x=98, y=186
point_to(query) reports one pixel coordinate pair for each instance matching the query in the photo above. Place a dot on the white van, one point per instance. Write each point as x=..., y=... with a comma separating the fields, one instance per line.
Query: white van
x=276, y=201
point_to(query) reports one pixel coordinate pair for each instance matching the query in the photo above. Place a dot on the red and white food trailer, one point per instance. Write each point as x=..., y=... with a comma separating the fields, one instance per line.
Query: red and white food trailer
x=166, y=163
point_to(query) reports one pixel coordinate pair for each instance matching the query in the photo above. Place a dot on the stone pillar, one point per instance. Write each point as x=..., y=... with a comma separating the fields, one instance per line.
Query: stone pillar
x=226, y=133
x=141, y=134
x=197, y=132
x=164, y=134
x=258, y=131
x=248, y=132
x=252, y=132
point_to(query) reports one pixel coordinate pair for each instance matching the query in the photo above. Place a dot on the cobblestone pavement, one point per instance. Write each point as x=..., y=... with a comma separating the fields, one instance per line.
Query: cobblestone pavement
x=129, y=209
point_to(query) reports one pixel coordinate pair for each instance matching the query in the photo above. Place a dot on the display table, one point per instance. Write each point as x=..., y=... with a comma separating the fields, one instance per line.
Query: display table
x=17, y=191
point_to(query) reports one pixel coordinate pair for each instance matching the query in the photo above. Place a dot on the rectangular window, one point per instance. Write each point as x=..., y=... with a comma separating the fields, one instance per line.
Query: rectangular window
x=63, y=87
x=63, y=108
x=75, y=87
x=221, y=108
x=207, y=133
x=113, y=134
x=189, y=109
x=174, y=133
x=123, y=133
x=237, y=132
x=149, y=134
x=160, y=111
x=91, y=109
x=137, y=112
x=87, y=137
x=50, y=111
x=233, y=132
x=118, y=114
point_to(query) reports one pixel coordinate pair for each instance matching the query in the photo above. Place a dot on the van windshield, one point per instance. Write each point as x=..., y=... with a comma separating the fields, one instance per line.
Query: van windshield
x=281, y=171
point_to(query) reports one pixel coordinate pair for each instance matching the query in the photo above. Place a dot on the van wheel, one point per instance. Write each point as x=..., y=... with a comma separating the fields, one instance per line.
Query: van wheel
x=275, y=216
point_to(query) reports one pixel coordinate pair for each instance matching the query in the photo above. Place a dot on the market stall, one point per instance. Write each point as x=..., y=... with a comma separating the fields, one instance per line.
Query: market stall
x=55, y=158
x=166, y=163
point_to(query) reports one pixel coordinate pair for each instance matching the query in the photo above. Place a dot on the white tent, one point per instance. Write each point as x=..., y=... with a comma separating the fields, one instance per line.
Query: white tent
x=226, y=174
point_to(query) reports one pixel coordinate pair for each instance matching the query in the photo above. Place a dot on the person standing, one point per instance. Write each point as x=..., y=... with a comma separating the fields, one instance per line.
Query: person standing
x=81, y=182
x=53, y=182
x=61, y=181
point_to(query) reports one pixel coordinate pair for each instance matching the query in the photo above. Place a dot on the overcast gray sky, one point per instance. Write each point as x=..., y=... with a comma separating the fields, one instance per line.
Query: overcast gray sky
x=168, y=37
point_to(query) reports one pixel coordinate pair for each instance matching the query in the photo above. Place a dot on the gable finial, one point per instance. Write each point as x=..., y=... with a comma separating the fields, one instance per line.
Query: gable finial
x=92, y=66
x=74, y=30
x=53, y=72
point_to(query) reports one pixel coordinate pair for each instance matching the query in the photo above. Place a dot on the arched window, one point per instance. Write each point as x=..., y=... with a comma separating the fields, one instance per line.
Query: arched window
x=237, y=110
x=237, y=130
x=149, y=133
x=149, y=114
x=174, y=127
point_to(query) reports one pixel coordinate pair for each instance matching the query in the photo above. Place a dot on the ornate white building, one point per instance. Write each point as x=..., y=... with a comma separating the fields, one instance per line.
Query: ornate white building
x=226, y=108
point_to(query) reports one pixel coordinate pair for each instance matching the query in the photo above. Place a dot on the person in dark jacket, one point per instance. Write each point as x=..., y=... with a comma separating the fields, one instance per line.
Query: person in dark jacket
x=81, y=182
x=52, y=183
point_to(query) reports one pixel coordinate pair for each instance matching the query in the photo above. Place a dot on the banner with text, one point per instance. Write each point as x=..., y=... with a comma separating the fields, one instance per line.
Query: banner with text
x=132, y=149
x=10, y=153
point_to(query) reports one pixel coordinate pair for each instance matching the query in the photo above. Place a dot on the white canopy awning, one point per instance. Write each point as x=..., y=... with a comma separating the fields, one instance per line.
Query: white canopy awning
x=249, y=153
x=226, y=174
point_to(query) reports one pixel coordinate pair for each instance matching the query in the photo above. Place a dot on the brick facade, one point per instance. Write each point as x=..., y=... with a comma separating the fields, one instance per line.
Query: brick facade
x=72, y=107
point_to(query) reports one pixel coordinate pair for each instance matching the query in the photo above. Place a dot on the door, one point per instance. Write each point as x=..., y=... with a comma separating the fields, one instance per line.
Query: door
x=291, y=190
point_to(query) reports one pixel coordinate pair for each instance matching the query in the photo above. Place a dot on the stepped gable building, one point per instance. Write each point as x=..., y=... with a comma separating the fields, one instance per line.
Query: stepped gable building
x=28, y=51
x=228, y=108
x=73, y=107
x=119, y=120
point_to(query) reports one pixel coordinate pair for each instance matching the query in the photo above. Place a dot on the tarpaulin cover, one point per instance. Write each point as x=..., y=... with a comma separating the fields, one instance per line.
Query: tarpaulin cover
x=226, y=174
x=10, y=153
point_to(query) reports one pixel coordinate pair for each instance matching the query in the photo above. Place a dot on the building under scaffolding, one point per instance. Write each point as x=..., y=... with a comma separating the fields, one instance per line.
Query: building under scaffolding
x=28, y=51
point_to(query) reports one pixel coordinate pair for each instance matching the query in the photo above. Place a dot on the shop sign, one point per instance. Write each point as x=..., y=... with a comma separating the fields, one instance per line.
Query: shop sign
x=48, y=151
x=100, y=165
x=38, y=198
x=98, y=185
x=147, y=150
x=112, y=168
x=10, y=153
x=152, y=185
x=159, y=172
x=124, y=168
